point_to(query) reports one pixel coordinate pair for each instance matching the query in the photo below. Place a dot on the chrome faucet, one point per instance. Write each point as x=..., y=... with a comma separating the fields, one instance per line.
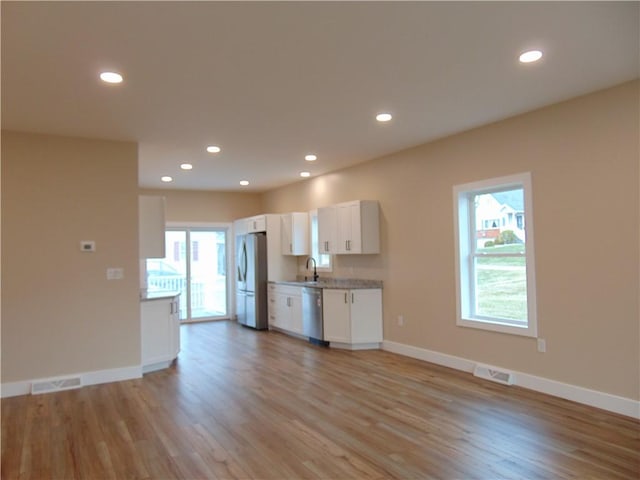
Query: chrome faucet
x=315, y=273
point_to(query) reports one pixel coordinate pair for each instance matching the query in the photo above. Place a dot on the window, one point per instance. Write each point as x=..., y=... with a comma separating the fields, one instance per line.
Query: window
x=194, y=265
x=495, y=277
x=324, y=260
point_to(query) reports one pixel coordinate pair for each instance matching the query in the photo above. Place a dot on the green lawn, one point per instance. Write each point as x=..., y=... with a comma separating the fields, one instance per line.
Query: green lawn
x=502, y=284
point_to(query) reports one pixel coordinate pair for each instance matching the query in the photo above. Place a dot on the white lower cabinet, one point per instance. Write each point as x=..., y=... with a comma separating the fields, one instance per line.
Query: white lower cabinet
x=285, y=308
x=352, y=318
x=160, y=333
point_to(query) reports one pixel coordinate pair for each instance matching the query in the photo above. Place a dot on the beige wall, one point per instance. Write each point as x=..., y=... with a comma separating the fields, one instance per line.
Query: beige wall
x=583, y=155
x=60, y=315
x=212, y=207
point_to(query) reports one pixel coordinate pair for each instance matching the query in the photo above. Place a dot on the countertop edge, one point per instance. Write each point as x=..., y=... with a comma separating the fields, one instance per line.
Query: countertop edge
x=335, y=284
x=151, y=296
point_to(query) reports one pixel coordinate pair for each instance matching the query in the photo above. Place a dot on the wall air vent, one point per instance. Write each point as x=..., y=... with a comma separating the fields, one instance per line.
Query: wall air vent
x=55, y=385
x=494, y=374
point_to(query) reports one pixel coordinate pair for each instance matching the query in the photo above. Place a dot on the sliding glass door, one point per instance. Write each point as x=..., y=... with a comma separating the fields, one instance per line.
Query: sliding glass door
x=195, y=264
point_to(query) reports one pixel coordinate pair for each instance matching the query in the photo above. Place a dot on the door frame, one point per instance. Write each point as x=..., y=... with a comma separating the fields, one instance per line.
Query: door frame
x=229, y=252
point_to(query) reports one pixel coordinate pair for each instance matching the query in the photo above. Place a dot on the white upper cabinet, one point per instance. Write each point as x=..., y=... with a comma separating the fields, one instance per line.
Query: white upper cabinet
x=349, y=228
x=254, y=224
x=279, y=267
x=151, y=226
x=240, y=227
x=327, y=230
x=257, y=224
x=295, y=233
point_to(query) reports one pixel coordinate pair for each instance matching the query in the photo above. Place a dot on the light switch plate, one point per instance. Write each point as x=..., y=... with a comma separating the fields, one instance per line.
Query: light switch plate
x=115, y=273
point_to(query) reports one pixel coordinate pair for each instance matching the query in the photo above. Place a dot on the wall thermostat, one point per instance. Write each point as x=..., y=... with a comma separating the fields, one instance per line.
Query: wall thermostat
x=88, y=246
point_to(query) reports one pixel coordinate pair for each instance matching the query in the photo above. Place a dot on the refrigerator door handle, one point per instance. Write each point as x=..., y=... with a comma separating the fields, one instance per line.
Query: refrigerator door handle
x=244, y=261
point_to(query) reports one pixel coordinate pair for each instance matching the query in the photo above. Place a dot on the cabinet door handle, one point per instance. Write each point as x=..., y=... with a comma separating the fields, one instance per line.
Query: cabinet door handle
x=345, y=298
x=290, y=248
x=352, y=298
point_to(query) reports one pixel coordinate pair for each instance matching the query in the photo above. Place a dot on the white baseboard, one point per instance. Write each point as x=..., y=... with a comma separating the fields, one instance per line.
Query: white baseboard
x=594, y=398
x=355, y=346
x=13, y=389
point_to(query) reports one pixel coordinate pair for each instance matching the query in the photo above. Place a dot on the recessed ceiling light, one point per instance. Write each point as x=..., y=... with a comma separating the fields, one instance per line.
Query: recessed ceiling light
x=311, y=158
x=530, y=56
x=244, y=183
x=383, y=117
x=186, y=166
x=167, y=179
x=305, y=174
x=111, y=77
x=213, y=149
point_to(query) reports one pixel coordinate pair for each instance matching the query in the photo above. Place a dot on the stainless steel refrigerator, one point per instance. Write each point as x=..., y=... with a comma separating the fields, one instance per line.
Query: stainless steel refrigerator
x=251, y=280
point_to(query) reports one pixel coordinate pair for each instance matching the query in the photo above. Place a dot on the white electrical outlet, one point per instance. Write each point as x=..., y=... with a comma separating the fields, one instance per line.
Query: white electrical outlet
x=542, y=345
x=401, y=320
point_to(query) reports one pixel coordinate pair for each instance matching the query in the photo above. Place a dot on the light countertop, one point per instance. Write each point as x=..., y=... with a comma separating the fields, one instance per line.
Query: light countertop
x=335, y=283
x=158, y=295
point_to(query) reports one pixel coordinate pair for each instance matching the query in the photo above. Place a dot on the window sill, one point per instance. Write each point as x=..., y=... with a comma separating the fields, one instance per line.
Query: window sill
x=496, y=326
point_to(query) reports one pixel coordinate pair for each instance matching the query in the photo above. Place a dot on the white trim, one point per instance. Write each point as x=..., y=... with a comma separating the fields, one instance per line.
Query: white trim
x=431, y=356
x=355, y=346
x=464, y=235
x=197, y=225
x=152, y=367
x=586, y=396
x=13, y=389
x=229, y=240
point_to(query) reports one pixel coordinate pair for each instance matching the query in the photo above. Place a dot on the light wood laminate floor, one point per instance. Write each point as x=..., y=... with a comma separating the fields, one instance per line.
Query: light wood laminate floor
x=246, y=404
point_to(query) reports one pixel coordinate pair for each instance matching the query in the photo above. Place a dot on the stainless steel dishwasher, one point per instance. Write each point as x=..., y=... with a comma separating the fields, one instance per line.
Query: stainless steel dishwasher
x=312, y=326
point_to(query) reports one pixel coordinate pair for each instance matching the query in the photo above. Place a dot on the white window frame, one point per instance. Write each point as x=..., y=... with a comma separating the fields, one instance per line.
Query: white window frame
x=465, y=234
x=327, y=264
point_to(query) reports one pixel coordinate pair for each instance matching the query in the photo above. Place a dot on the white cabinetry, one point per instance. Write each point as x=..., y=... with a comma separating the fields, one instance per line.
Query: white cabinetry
x=295, y=233
x=250, y=225
x=240, y=227
x=327, y=230
x=352, y=318
x=285, y=308
x=279, y=267
x=257, y=224
x=160, y=333
x=349, y=228
x=151, y=226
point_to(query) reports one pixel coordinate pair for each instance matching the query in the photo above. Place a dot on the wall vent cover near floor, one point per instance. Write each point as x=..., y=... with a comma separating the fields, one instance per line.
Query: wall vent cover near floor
x=494, y=374
x=55, y=385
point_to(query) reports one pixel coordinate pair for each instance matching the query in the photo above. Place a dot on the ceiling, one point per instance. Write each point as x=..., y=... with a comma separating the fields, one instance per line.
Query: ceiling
x=270, y=82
